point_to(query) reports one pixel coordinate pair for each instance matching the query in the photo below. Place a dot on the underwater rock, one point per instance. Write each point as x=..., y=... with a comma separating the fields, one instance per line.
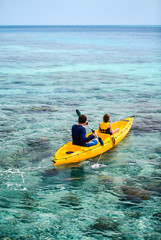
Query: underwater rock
x=133, y=213
x=157, y=215
x=6, y=132
x=153, y=156
x=38, y=142
x=37, y=157
x=135, y=193
x=10, y=109
x=158, y=150
x=18, y=82
x=104, y=224
x=108, y=182
x=70, y=200
x=2, y=119
x=24, y=236
x=158, y=165
x=43, y=109
x=23, y=217
x=154, y=187
x=147, y=125
x=37, y=150
x=29, y=202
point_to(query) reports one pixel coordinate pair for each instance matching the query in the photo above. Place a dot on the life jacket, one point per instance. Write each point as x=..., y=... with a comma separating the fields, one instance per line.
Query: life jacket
x=104, y=127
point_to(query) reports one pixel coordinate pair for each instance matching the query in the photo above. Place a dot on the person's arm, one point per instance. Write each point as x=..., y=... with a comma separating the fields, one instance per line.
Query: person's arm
x=83, y=137
x=111, y=130
x=116, y=130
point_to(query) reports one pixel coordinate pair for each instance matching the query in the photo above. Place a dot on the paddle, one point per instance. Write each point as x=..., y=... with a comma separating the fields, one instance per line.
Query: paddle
x=100, y=139
x=113, y=139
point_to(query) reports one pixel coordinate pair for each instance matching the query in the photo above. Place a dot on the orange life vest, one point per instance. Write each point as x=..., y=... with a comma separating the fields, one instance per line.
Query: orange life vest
x=104, y=127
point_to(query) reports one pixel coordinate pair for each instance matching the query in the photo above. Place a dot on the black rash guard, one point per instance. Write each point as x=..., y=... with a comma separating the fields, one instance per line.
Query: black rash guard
x=79, y=135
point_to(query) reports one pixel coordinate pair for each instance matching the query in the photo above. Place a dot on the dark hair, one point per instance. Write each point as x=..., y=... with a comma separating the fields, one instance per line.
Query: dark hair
x=82, y=119
x=106, y=118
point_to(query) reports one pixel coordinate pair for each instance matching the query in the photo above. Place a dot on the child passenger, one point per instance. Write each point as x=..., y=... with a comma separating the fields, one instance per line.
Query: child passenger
x=105, y=126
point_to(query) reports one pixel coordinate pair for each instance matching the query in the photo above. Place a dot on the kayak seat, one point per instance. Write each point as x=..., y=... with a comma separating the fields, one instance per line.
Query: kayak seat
x=69, y=152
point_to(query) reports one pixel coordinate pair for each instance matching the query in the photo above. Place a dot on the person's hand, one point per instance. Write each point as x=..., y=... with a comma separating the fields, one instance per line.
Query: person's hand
x=95, y=134
x=86, y=123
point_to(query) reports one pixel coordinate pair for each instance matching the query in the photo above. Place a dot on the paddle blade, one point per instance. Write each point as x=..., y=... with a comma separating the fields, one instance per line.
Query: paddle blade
x=101, y=141
x=78, y=112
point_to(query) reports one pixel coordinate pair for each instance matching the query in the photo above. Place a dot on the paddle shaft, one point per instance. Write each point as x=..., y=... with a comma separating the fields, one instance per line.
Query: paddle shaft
x=79, y=113
x=91, y=128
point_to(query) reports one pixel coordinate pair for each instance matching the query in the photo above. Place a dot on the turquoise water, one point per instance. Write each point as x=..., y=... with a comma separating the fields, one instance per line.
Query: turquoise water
x=45, y=74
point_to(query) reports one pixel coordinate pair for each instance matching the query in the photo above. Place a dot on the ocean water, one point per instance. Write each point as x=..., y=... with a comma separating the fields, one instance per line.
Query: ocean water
x=46, y=72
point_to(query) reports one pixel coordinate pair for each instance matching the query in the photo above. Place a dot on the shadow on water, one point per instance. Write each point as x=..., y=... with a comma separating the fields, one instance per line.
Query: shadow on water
x=77, y=176
x=50, y=173
x=68, y=176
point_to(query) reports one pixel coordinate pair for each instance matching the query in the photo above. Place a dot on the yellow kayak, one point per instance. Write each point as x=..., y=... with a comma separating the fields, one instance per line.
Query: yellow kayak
x=70, y=153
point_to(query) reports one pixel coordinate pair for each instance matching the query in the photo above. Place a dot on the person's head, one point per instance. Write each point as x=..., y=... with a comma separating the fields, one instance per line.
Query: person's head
x=106, y=118
x=82, y=119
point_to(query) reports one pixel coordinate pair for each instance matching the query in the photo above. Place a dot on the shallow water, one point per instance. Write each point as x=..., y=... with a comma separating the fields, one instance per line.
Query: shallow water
x=45, y=74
